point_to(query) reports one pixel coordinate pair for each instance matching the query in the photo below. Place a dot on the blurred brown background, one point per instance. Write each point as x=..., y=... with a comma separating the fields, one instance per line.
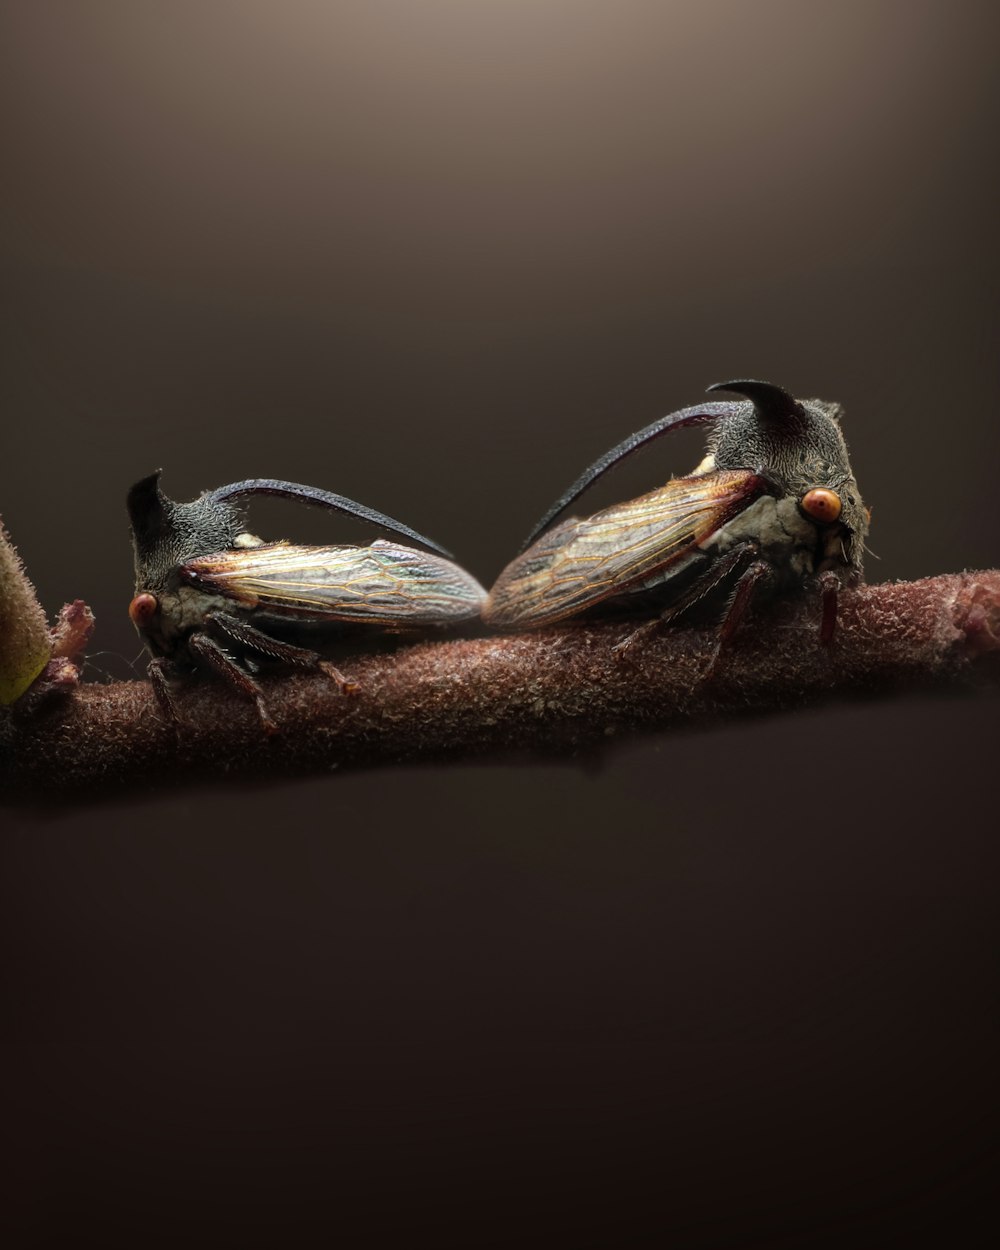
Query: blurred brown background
x=735, y=988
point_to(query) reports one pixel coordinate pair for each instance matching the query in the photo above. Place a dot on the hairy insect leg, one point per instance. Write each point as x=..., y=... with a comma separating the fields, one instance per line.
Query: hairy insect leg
x=714, y=576
x=256, y=640
x=711, y=578
x=829, y=585
x=202, y=647
x=621, y=649
x=157, y=672
x=758, y=574
x=345, y=684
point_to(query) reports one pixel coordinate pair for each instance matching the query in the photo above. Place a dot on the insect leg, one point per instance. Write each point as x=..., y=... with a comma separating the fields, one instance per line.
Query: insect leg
x=202, y=647
x=759, y=573
x=256, y=640
x=157, y=672
x=829, y=585
x=621, y=649
x=711, y=578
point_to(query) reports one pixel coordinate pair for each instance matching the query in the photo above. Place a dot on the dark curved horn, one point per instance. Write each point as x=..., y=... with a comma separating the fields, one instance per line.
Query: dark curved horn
x=699, y=414
x=773, y=405
x=322, y=499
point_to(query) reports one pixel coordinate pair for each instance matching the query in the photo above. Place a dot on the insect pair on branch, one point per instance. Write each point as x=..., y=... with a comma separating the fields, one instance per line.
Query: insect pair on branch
x=772, y=507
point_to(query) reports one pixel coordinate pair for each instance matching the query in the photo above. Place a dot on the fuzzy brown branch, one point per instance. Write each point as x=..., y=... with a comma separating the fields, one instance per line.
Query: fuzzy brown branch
x=556, y=693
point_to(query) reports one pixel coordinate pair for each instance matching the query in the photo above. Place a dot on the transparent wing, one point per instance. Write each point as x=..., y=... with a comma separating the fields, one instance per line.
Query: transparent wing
x=381, y=584
x=580, y=563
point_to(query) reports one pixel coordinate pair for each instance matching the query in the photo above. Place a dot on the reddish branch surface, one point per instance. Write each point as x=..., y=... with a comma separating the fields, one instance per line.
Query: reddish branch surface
x=558, y=692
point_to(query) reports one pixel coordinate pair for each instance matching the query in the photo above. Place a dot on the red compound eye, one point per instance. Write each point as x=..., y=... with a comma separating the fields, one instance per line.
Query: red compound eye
x=821, y=504
x=142, y=609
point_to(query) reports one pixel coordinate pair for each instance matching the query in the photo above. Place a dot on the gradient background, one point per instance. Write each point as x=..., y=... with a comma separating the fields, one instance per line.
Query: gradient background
x=733, y=988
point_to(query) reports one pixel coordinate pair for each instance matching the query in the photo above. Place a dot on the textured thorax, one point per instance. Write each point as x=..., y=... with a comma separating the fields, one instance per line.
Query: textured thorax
x=778, y=531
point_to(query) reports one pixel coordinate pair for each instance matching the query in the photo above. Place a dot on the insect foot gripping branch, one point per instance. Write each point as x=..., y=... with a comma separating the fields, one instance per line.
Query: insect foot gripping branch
x=773, y=506
x=210, y=596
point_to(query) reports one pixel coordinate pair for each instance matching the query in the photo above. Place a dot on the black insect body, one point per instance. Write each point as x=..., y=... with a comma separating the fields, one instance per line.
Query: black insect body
x=209, y=595
x=774, y=505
